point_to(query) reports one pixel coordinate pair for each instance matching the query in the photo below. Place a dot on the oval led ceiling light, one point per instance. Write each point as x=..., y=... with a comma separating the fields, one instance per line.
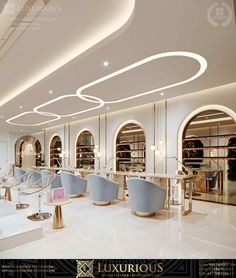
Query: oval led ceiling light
x=100, y=102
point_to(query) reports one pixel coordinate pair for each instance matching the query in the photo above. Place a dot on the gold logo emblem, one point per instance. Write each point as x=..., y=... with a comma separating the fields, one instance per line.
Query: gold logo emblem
x=84, y=269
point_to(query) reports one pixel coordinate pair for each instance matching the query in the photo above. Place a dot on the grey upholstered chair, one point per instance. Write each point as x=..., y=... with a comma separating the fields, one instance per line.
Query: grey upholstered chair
x=145, y=197
x=48, y=177
x=103, y=190
x=35, y=179
x=74, y=186
x=20, y=174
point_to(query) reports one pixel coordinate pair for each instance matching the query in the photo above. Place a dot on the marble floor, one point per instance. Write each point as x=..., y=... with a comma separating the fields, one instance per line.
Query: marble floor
x=114, y=232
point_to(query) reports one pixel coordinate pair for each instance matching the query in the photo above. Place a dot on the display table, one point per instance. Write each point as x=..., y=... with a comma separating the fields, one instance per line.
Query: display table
x=57, y=216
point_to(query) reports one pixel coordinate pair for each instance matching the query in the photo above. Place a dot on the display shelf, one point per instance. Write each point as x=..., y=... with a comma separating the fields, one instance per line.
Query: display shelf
x=209, y=137
x=85, y=156
x=133, y=143
x=210, y=148
x=130, y=148
x=123, y=158
x=134, y=150
x=85, y=147
x=209, y=158
x=55, y=150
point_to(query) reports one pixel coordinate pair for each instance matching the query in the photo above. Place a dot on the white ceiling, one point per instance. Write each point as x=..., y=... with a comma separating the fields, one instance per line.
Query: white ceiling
x=152, y=28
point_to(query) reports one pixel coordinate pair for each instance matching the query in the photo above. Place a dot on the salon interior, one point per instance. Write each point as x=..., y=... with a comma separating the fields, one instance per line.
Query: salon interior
x=117, y=129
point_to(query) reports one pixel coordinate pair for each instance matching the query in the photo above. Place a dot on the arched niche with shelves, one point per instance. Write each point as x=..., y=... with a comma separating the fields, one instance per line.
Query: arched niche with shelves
x=209, y=150
x=56, y=152
x=131, y=148
x=205, y=139
x=85, y=150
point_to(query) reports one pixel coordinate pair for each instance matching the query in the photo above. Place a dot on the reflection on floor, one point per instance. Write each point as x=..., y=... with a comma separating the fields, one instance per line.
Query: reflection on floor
x=114, y=232
x=228, y=196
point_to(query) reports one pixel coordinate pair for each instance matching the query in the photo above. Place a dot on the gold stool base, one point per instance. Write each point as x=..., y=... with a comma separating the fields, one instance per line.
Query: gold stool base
x=22, y=206
x=57, y=218
x=144, y=214
x=106, y=203
x=39, y=216
x=8, y=194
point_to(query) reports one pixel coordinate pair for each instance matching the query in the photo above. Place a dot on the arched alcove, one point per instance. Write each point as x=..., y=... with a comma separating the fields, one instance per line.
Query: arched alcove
x=56, y=152
x=85, y=150
x=209, y=150
x=28, y=152
x=131, y=148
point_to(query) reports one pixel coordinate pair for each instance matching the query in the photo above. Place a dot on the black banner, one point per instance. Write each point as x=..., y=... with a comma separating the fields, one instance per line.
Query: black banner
x=117, y=268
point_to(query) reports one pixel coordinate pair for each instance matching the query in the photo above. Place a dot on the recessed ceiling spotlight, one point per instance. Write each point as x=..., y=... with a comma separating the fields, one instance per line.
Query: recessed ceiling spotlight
x=105, y=63
x=2, y=116
x=20, y=106
x=74, y=117
x=50, y=92
x=162, y=93
x=108, y=108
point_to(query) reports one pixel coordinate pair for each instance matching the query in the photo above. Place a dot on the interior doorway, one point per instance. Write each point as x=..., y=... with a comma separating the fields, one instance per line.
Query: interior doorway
x=28, y=152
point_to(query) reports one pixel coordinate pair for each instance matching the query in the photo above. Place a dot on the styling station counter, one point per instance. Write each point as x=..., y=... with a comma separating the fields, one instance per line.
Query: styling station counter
x=162, y=179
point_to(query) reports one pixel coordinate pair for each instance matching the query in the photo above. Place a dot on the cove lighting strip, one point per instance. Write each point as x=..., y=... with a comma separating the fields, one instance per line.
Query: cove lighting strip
x=100, y=102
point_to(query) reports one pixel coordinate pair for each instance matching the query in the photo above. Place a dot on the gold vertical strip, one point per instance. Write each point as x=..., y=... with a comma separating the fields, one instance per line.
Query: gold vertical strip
x=154, y=136
x=166, y=106
x=69, y=150
x=106, y=140
x=44, y=146
x=64, y=147
x=235, y=10
x=99, y=140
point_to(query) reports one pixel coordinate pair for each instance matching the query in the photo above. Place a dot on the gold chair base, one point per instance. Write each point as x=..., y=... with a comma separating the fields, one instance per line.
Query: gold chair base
x=105, y=203
x=74, y=195
x=145, y=214
x=22, y=206
x=39, y=216
x=57, y=218
x=8, y=194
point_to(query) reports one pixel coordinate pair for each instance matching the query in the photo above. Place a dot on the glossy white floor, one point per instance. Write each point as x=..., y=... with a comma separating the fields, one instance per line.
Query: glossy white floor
x=114, y=232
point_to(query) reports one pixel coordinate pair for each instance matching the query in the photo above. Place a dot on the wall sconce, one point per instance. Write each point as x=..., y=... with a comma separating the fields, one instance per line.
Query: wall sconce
x=152, y=147
x=98, y=154
x=95, y=150
x=156, y=150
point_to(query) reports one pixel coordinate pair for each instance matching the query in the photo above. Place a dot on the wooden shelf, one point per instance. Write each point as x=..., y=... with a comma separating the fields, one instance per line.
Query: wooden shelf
x=142, y=150
x=125, y=158
x=85, y=147
x=85, y=158
x=210, y=148
x=209, y=158
x=131, y=143
x=209, y=137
